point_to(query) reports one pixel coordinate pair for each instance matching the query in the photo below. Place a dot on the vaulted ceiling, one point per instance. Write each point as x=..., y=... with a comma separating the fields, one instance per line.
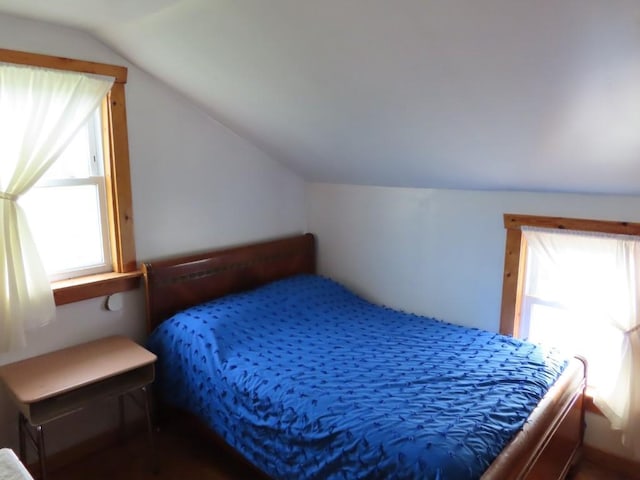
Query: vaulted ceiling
x=537, y=95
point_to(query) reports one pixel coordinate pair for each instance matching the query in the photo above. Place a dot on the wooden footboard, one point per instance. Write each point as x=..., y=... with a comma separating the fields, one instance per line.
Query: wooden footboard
x=550, y=441
x=544, y=449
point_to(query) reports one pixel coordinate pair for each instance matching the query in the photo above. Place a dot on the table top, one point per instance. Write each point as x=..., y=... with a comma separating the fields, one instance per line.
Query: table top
x=51, y=374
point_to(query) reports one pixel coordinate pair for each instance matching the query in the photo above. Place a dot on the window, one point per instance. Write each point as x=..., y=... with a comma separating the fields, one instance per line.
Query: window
x=67, y=209
x=112, y=267
x=578, y=291
x=537, y=304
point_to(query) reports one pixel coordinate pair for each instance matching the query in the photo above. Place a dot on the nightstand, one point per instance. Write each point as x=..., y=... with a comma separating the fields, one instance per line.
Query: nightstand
x=56, y=384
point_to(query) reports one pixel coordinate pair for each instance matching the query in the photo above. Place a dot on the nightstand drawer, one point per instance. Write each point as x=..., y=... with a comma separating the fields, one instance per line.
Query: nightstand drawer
x=60, y=405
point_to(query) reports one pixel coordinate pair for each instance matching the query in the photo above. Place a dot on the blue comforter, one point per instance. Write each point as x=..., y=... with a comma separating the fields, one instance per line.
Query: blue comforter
x=308, y=380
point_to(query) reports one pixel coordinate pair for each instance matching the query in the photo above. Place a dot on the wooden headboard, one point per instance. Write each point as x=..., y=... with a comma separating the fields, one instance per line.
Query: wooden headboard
x=174, y=284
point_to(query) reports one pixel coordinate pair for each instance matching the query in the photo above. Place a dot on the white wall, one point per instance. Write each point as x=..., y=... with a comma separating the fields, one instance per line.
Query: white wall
x=438, y=252
x=196, y=185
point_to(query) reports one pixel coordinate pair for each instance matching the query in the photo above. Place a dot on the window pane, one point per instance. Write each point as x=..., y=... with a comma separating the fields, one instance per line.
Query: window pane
x=65, y=222
x=74, y=162
x=579, y=333
x=553, y=326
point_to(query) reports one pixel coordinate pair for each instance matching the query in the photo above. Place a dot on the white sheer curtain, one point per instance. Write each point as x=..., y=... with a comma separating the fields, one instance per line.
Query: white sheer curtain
x=40, y=111
x=596, y=279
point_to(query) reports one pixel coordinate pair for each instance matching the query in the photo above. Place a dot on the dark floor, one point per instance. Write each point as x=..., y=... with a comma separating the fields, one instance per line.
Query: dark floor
x=181, y=454
x=185, y=456
x=590, y=471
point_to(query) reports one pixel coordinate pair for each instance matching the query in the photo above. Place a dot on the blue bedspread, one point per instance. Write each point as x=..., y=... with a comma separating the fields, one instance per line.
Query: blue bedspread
x=308, y=380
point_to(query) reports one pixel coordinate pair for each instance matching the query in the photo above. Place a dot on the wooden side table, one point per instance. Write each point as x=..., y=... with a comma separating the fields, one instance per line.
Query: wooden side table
x=56, y=384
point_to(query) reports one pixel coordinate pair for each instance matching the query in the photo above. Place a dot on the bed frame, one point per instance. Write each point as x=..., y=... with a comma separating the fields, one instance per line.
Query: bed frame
x=544, y=449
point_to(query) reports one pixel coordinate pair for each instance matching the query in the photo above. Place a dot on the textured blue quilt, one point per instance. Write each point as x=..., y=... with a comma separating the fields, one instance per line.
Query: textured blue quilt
x=308, y=380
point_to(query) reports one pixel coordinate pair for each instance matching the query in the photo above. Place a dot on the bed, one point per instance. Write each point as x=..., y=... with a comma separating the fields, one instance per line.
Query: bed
x=307, y=380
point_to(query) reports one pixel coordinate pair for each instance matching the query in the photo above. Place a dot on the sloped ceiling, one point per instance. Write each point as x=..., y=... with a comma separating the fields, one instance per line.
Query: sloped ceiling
x=537, y=95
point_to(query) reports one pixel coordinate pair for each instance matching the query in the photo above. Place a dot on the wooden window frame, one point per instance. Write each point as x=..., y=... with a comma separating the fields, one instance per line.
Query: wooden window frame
x=515, y=259
x=125, y=274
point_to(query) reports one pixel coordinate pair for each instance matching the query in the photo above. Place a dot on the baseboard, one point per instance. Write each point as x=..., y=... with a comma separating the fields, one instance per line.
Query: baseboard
x=624, y=466
x=87, y=447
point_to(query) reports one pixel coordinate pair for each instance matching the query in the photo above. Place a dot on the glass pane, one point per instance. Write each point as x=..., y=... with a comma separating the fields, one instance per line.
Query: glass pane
x=582, y=334
x=75, y=161
x=65, y=222
x=552, y=326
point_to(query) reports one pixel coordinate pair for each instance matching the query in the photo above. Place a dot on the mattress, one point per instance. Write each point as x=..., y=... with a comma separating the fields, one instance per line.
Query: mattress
x=308, y=380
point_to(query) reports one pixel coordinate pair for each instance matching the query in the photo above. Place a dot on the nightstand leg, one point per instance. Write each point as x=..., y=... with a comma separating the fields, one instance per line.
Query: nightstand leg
x=147, y=411
x=42, y=456
x=121, y=430
x=21, y=438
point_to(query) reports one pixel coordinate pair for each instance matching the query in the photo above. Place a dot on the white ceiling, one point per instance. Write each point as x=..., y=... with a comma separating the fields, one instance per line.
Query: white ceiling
x=482, y=94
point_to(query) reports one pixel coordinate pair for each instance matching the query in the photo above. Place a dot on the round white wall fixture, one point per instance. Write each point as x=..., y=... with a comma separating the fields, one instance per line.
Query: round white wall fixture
x=114, y=302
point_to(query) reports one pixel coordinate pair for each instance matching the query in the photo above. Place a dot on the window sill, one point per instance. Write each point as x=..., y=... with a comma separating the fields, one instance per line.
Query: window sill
x=589, y=406
x=92, y=286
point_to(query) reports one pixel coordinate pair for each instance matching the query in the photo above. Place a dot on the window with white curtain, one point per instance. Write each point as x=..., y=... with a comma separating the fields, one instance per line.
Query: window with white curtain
x=61, y=180
x=107, y=136
x=67, y=208
x=576, y=285
x=581, y=293
x=41, y=111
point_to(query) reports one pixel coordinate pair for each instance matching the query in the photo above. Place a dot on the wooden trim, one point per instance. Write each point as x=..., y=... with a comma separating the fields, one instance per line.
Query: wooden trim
x=627, y=467
x=551, y=438
x=92, y=286
x=514, y=221
x=512, y=283
x=589, y=403
x=62, y=63
x=590, y=406
x=120, y=197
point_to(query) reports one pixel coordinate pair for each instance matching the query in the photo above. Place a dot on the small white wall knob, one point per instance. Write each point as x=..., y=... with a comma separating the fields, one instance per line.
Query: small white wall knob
x=114, y=302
